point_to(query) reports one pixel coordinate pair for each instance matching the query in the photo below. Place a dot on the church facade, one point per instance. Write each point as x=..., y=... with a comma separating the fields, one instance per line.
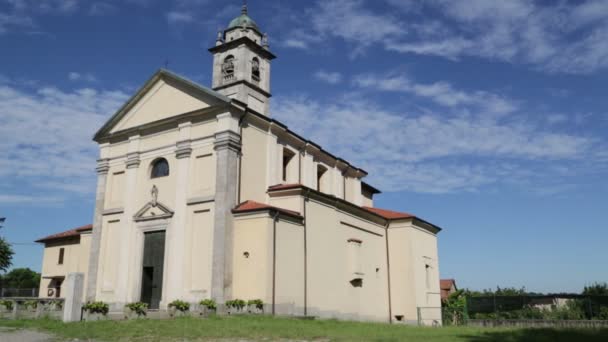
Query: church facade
x=202, y=194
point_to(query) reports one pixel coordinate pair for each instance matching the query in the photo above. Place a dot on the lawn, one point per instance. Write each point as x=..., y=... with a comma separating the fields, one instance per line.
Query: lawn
x=281, y=329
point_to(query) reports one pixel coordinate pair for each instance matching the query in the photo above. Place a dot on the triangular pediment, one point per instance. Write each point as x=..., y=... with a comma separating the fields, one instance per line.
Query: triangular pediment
x=153, y=211
x=164, y=96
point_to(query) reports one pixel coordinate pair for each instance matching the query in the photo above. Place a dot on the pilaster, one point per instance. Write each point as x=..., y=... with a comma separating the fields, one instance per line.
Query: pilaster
x=103, y=166
x=176, y=232
x=127, y=269
x=228, y=147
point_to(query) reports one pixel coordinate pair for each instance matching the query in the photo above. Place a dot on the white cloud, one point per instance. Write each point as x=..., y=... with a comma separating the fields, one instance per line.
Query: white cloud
x=295, y=43
x=86, y=77
x=559, y=37
x=46, y=138
x=101, y=8
x=175, y=17
x=328, y=77
x=442, y=93
x=433, y=152
x=31, y=200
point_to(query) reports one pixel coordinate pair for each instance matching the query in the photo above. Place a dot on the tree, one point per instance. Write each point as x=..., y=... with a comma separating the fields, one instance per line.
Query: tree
x=6, y=252
x=21, y=278
x=6, y=255
x=597, y=289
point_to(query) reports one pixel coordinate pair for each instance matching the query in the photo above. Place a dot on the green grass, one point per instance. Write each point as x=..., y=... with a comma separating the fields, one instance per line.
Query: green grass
x=272, y=329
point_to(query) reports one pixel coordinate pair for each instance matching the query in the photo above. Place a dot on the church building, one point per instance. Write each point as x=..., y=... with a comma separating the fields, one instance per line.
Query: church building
x=202, y=194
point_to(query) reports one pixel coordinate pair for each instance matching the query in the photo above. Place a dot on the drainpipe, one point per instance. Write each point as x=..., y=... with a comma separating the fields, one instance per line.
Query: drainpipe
x=305, y=254
x=388, y=275
x=274, y=260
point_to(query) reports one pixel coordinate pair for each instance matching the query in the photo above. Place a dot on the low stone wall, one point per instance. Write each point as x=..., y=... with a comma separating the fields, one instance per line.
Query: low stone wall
x=537, y=323
x=23, y=308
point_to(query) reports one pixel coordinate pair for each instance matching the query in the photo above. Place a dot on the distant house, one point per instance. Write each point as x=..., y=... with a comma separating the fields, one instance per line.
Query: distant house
x=447, y=286
x=64, y=253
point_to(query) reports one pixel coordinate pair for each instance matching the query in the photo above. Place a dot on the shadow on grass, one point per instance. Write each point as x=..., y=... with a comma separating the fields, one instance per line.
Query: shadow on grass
x=542, y=335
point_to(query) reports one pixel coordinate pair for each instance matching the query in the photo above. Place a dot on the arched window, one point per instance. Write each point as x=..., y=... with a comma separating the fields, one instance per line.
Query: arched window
x=160, y=168
x=228, y=65
x=255, y=69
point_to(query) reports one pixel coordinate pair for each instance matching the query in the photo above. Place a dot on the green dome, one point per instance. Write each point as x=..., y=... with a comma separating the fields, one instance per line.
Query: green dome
x=243, y=20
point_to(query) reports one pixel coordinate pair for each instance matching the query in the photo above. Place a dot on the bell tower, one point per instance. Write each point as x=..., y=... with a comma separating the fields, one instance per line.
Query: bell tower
x=241, y=63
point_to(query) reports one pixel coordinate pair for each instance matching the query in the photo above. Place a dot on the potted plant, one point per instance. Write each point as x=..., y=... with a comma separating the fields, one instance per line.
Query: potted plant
x=178, y=308
x=136, y=310
x=235, y=306
x=95, y=311
x=207, y=307
x=255, y=306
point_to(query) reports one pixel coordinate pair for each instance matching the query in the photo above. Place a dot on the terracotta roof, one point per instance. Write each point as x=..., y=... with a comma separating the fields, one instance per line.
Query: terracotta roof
x=251, y=206
x=67, y=234
x=446, y=286
x=389, y=214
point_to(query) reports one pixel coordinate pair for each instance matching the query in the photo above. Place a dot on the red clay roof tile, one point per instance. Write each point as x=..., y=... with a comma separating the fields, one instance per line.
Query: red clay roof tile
x=68, y=233
x=249, y=206
x=389, y=214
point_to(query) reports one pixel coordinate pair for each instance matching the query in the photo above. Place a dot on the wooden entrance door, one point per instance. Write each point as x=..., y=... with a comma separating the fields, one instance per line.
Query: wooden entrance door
x=152, y=268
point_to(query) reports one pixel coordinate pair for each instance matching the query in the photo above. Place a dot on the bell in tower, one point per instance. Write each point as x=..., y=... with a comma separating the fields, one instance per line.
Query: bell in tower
x=241, y=63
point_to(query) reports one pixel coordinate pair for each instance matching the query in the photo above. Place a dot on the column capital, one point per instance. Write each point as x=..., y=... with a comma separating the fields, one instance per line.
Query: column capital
x=103, y=166
x=227, y=140
x=133, y=160
x=183, y=149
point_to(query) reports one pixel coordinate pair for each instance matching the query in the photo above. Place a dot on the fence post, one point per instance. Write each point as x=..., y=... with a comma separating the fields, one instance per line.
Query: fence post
x=15, y=304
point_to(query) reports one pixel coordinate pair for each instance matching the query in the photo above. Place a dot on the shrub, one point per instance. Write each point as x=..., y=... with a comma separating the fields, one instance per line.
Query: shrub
x=96, y=307
x=208, y=303
x=180, y=305
x=257, y=303
x=138, y=307
x=7, y=304
x=238, y=304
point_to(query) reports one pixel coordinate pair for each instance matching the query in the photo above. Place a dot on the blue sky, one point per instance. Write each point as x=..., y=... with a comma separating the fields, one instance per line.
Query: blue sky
x=487, y=118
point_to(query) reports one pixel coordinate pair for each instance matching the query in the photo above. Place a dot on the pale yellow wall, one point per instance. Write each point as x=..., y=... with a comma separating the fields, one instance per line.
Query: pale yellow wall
x=75, y=259
x=254, y=165
x=330, y=293
x=161, y=102
x=289, y=268
x=252, y=276
x=411, y=248
x=198, y=252
x=109, y=257
x=202, y=172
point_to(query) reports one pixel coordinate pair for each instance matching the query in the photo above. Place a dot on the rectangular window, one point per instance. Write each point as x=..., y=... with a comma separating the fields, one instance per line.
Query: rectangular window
x=61, y=252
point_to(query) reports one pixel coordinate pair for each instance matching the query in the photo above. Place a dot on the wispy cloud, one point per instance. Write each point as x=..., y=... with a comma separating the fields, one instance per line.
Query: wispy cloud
x=559, y=37
x=57, y=156
x=328, y=77
x=464, y=147
x=175, y=17
x=86, y=77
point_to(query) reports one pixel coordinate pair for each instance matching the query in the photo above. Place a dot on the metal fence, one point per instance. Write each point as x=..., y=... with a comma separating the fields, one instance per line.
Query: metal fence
x=10, y=292
x=548, y=307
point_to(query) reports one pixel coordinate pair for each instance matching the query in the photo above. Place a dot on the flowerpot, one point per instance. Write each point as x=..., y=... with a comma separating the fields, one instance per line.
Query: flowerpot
x=173, y=312
x=252, y=309
x=94, y=316
x=131, y=314
x=236, y=311
x=206, y=312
